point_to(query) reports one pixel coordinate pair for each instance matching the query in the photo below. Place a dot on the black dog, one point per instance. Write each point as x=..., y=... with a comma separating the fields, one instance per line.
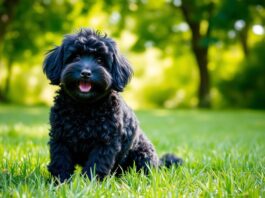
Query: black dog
x=91, y=125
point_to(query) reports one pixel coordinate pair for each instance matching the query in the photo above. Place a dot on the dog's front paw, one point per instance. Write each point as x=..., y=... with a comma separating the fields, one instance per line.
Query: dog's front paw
x=63, y=177
x=59, y=175
x=91, y=172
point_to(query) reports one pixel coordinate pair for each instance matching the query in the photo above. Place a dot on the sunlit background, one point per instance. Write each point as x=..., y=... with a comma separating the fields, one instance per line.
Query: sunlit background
x=192, y=53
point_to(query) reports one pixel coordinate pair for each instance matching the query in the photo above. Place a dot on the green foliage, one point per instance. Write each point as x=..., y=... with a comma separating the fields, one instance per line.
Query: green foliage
x=175, y=27
x=246, y=89
x=140, y=28
x=27, y=25
x=223, y=153
x=246, y=13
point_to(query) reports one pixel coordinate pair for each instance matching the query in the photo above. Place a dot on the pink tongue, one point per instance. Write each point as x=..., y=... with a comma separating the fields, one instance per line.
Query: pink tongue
x=84, y=86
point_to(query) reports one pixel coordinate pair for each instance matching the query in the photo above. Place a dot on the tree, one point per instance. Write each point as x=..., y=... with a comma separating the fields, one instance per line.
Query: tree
x=21, y=29
x=246, y=89
x=7, y=9
x=195, y=14
x=237, y=17
x=154, y=23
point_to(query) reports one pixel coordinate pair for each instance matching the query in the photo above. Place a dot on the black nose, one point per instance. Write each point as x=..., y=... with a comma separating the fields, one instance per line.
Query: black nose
x=85, y=73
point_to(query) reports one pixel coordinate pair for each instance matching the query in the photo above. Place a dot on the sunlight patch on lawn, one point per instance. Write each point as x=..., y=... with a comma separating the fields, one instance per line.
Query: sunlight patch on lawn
x=22, y=129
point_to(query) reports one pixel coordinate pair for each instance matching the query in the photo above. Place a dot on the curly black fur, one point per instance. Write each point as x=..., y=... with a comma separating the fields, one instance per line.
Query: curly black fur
x=91, y=125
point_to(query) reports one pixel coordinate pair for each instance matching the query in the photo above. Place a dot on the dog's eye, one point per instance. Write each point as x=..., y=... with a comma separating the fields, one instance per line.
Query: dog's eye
x=99, y=60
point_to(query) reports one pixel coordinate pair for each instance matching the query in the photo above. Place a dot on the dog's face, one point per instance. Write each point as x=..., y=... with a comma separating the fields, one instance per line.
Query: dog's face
x=88, y=66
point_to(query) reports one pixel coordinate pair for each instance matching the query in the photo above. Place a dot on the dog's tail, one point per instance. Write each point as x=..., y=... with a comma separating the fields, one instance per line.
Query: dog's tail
x=169, y=160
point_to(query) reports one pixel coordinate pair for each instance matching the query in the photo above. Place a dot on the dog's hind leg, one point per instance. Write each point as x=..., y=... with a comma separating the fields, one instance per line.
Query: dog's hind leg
x=142, y=155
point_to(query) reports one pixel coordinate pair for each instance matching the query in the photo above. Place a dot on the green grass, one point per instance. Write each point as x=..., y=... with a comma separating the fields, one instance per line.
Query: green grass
x=224, y=154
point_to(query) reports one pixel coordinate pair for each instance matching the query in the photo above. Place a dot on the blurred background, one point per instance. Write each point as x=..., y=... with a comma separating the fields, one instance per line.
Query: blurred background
x=185, y=54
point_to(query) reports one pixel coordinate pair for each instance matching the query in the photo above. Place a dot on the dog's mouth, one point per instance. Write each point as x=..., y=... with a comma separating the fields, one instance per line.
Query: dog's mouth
x=84, y=86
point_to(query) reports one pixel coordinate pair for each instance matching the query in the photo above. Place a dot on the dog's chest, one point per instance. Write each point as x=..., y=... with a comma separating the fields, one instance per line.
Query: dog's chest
x=88, y=126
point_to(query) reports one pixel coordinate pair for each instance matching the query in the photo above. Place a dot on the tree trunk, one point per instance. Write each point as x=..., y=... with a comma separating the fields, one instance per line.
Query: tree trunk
x=204, y=84
x=243, y=35
x=6, y=89
x=2, y=97
x=1, y=91
x=6, y=15
x=8, y=79
x=201, y=54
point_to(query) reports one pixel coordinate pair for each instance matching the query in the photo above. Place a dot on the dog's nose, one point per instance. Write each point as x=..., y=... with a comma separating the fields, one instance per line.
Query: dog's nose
x=85, y=73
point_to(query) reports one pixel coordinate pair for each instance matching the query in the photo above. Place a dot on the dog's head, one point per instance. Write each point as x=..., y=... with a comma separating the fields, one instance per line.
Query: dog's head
x=87, y=65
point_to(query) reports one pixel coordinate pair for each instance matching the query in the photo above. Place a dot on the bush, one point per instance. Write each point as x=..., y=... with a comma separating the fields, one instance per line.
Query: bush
x=247, y=88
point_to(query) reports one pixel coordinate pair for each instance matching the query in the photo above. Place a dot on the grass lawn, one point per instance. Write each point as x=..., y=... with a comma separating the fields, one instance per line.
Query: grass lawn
x=224, y=154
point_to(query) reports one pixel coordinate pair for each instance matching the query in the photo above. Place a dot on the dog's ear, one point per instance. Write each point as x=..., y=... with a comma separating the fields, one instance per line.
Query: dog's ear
x=121, y=71
x=53, y=64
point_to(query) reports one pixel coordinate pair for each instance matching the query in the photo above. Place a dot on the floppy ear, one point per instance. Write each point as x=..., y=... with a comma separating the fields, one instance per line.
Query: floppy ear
x=53, y=64
x=121, y=72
